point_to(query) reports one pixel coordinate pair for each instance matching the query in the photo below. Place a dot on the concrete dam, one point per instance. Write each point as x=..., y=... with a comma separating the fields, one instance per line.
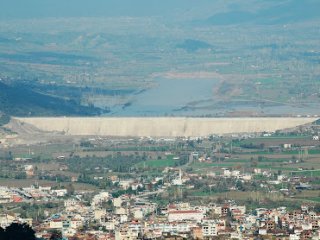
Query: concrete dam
x=160, y=126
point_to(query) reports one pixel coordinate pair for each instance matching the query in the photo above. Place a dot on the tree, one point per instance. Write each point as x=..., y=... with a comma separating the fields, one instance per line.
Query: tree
x=240, y=186
x=2, y=233
x=317, y=208
x=70, y=189
x=18, y=231
x=8, y=155
x=56, y=235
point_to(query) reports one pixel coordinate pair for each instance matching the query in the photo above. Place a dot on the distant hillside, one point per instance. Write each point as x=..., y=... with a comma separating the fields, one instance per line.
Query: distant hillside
x=281, y=13
x=191, y=45
x=19, y=100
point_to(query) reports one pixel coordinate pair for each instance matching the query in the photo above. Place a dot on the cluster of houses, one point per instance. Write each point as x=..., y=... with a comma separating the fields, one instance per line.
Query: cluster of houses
x=134, y=217
x=30, y=194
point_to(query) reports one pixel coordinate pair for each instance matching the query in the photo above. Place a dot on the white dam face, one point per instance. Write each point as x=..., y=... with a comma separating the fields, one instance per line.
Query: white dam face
x=161, y=127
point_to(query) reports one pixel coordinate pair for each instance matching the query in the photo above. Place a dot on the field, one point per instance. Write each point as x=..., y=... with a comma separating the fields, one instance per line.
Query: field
x=161, y=163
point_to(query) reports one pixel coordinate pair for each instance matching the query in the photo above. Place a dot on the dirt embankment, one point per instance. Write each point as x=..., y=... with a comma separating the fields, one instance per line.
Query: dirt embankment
x=158, y=127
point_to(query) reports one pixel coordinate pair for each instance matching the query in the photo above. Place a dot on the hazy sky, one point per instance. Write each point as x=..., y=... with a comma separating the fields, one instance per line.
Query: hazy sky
x=92, y=8
x=258, y=11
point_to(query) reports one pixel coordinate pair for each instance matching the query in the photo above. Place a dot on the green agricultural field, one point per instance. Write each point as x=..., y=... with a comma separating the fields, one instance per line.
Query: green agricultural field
x=310, y=173
x=48, y=151
x=237, y=160
x=290, y=152
x=160, y=163
x=276, y=167
x=285, y=137
x=204, y=194
x=315, y=199
x=308, y=195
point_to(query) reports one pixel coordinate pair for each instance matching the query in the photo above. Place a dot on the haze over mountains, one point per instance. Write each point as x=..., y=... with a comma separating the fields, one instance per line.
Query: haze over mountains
x=157, y=58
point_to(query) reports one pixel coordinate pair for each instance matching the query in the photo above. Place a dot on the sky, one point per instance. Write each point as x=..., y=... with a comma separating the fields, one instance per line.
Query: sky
x=92, y=8
x=231, y=11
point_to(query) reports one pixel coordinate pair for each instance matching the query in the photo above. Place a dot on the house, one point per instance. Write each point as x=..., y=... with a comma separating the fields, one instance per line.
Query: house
x=180, y=215
x=99, y=214
x=100, y=198
x=287, y=145
x=197, y=233
x=117, y=202
x=263, y=231
x=209, y=228
x=56, y=223
x=70, y=203
x=76, y=222
x=257, y=170
x=126, y=233
x=6, y=220
x=227, y=173
x=59, y=192
x=5, y=196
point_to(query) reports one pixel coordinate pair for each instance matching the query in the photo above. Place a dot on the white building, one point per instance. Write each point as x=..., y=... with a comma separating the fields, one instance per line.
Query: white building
x=100, y=198
x=56, y=224
x=178, y=181
x=70, y=203
x=125, y=184
x=138, y=214
x=247, y=177
x=5, y=196
x=235, y=173
x=227, y=173
x=263, y=231
x=294, y=237
x=76, y=222
x=209, y=228
x=180, y=227
x=6, y=220
x=257, y=170
x=99, y=214
x=240, y=209
x=117, y=202
x=59, y=192
x=126, y=234
x=185, y=215
x=217, y=210
x=120, y=211
x=287, y=145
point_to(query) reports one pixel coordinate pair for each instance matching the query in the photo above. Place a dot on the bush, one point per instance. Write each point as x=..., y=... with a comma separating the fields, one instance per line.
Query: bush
x=18, y=232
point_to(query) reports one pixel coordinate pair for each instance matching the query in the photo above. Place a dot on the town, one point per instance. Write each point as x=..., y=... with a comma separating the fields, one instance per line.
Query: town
x=244, y=186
